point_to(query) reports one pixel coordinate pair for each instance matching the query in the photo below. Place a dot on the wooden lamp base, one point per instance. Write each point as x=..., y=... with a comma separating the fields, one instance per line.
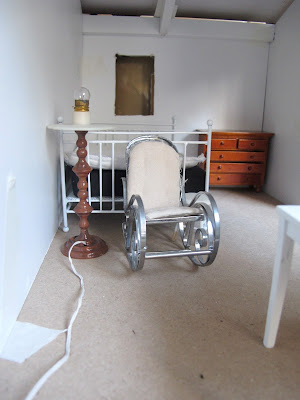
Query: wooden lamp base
x=94, y=246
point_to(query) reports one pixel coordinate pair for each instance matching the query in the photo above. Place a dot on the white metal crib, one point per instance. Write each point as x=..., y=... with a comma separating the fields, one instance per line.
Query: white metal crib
x=108, y=140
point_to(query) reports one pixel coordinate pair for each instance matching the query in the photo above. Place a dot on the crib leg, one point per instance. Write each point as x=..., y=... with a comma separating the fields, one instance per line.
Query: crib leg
x=65, y=220
x=63, y=184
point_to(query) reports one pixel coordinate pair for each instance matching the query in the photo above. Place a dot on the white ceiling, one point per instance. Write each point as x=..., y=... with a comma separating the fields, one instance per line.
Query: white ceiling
x=243, y=10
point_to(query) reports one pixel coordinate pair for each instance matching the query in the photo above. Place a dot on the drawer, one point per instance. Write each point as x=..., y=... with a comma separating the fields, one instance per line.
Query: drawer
x=234, y=179
x=227, y=168
x=256, y=145
x=228, y=144
x=237, y=156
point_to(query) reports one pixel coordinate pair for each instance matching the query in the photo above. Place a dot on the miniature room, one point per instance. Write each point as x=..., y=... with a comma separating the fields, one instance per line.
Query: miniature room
x=176, y=118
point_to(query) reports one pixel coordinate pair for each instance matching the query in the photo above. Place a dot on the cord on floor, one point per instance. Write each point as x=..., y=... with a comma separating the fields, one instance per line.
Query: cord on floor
x=60, y=362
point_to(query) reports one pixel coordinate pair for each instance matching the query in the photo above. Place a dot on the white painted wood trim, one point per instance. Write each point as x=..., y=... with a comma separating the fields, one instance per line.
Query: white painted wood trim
x=168, y=10
x=107, y=25
x=9, y=300
x=288, y=232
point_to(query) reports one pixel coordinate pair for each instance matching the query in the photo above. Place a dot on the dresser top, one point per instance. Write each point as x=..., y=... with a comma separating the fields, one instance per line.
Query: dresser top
x=240, y=134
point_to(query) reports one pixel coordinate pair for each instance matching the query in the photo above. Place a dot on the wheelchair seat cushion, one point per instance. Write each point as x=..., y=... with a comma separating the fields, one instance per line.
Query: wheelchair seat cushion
x=170, y=212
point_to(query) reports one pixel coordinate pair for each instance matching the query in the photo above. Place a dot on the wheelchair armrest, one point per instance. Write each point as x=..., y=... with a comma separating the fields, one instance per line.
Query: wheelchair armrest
x=124, y=184
x=135, y=198
x=183, y=197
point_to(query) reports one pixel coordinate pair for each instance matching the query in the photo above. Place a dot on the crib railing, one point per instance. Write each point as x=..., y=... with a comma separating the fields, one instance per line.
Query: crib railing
x=108, y=145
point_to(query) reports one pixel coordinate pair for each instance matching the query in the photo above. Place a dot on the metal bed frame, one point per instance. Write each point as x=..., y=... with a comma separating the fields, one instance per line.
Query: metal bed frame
x=114, y=204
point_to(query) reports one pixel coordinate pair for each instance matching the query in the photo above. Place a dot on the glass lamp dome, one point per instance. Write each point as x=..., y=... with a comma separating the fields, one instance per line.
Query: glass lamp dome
x=82, y=97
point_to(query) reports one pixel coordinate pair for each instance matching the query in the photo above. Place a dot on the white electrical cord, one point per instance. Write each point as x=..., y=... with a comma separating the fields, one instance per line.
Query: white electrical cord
x=60, y=362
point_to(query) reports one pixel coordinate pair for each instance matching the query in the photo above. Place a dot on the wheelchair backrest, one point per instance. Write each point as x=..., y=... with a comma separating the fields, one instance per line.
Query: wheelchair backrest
x=153, y=172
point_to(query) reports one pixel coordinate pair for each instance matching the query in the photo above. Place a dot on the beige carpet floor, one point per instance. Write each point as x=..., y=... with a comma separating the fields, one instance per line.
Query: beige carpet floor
x=170, y=331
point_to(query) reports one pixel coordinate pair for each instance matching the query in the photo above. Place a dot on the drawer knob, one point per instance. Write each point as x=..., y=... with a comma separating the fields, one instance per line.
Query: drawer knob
x=219, y=166
x=222, y=143
x=218, y=178
x=249, y=168
x=221, y=156
x=252, y=157
x=252, y=144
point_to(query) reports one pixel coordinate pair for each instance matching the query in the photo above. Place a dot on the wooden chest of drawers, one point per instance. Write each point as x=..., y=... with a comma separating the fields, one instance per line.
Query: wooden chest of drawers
x=238, y=158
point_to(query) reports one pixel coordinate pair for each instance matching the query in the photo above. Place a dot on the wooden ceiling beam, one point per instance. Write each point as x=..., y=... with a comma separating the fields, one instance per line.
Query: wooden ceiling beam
x=166, y=11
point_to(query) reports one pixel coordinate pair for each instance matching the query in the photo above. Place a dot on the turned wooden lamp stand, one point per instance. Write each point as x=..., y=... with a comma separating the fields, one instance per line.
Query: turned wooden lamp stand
x=95, y=246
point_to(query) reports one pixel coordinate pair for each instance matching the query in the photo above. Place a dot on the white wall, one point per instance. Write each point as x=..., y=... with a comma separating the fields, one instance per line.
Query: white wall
x=41, y=45
x=203, y=69
x=282, y=108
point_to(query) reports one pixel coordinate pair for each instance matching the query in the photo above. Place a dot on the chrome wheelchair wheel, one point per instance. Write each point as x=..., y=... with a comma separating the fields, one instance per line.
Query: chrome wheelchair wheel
x=207, y=234
x=134, y=231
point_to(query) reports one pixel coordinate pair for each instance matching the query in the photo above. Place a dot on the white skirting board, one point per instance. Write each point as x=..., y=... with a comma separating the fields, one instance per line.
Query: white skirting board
x=8, y=266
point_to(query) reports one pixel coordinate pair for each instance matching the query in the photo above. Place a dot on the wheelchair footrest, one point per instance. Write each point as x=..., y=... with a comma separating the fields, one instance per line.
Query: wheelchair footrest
x=176, y=253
